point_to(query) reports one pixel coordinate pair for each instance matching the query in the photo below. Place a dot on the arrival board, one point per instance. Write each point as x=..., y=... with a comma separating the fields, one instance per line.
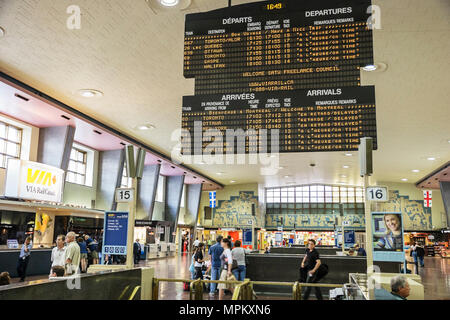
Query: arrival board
x=303, y=120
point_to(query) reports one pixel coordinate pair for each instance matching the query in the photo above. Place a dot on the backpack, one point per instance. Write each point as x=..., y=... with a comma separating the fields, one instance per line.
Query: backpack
x=420, y=251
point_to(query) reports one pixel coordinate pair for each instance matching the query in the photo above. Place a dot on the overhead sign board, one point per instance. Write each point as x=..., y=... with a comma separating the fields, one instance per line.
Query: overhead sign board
x=33, y=181
x=377, y=193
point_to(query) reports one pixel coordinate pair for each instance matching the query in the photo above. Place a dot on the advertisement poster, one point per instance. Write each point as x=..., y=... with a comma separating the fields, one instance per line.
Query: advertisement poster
x=388, y=236
x=115, y=236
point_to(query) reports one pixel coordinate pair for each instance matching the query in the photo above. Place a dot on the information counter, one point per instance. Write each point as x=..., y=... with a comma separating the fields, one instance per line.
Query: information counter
x=40, y=262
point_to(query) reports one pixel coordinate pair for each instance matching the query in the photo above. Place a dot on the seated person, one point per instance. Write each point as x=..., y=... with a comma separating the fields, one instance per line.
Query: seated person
x=400, y=288
x=360, y=251
x=5, y=279
x=351, y=252
x=58, y=271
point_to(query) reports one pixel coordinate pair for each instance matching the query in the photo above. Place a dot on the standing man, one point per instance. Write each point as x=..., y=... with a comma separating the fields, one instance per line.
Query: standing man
x=136, y=251
x=310, y=264
x=24, y=258
x=72, y=255
x=196, y=243
x=214, y=252
x=93, y=248
x=58, y=253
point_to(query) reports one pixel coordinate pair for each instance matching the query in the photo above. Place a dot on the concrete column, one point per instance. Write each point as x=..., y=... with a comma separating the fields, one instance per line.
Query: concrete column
x=55, y=144
x=146, y=192
x=110, y=169
x=174, y=188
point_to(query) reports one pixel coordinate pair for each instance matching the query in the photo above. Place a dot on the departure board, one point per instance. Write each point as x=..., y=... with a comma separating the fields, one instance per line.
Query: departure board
x=278, y=50
x=306, y=120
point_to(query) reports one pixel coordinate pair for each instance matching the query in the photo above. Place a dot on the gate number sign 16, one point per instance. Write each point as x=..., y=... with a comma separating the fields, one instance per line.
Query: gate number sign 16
x=377, y=194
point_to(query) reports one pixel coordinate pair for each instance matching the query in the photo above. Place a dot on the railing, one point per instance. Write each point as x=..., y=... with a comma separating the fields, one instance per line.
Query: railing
x=243, y=289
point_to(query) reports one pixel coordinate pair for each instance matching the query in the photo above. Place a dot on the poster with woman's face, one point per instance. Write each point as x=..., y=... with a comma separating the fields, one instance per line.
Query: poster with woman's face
x=387, y=236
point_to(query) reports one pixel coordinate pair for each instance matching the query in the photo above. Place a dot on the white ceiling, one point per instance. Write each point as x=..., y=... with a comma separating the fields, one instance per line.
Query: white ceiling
x=135, y=56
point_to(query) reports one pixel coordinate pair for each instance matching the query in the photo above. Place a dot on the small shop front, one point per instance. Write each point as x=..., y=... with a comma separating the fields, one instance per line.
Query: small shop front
x=436, y=243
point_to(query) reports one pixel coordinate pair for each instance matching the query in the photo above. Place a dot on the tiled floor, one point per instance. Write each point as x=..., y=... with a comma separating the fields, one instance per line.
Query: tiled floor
x=435, y=278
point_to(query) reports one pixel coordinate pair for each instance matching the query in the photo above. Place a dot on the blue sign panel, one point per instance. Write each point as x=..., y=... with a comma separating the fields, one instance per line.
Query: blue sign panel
x=247, y=237
x=115, y=233
x=388, y=243
x=349, y=238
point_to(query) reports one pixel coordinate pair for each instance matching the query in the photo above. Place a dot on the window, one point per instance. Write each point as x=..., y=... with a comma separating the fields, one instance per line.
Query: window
x=160, y=189
x=314, y=199
x=126, y=181
x=183, y=195
x=10, y=143
x=76, y=173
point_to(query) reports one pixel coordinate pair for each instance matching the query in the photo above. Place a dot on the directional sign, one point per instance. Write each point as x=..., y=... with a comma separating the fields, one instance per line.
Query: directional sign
x=377, y=193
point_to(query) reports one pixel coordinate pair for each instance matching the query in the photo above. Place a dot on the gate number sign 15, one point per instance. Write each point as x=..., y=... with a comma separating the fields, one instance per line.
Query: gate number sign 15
x=124, y=195
x=377, y=194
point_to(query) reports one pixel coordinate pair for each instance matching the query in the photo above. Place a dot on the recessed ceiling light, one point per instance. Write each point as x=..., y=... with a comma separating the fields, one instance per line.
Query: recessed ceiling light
x=415, y=170
x=348, y=154
x=345, y=167
x=431, y=158
x=232, y=181
x=404, y=179
x=370, y=67
x=343, y=176
x=287, y=177
x=280, y=168
x=219, y=173
x=90, y=93
x=169, y=3
x=146, y=126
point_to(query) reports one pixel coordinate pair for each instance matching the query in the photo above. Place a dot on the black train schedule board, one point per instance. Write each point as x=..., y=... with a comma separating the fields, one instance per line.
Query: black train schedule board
x=275, y=51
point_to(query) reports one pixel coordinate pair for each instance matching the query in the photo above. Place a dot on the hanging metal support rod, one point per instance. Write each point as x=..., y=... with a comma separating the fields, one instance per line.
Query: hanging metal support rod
x=229, y=3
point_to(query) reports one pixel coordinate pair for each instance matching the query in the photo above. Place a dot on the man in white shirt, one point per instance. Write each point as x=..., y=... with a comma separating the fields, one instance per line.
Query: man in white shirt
x=196, y=243
x=58, y=253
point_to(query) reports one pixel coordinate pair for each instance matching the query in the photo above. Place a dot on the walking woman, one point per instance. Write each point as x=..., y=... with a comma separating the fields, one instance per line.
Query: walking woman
x=24, y=258
x=198, y=261
x=238, y=254
x=227, y=263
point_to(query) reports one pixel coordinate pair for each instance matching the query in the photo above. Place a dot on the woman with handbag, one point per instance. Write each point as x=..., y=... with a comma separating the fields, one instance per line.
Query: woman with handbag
x=238, y=254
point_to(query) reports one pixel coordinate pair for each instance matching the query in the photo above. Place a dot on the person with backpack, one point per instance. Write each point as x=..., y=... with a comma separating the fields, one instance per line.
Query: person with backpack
x=420, y=254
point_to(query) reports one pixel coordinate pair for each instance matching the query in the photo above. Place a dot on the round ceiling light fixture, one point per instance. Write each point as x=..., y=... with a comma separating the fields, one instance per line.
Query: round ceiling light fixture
x=376, y=67
x=345, y=167
x=146, y=126
x=349, y=155
x=415, y=170
x=404, y=179
x=90, y=93
x=169, y=3
x=431, y=158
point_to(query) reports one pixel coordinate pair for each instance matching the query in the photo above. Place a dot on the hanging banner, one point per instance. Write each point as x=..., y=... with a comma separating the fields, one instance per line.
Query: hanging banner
x=388, y=243
x=427, y=199
x=115, y=233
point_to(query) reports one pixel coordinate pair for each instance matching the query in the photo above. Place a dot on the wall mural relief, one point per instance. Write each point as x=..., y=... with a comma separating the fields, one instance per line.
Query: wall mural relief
x=235, y=212
x=415, y=216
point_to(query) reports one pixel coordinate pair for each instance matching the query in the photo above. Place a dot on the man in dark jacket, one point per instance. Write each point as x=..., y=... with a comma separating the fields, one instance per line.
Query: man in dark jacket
x=136, y=251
